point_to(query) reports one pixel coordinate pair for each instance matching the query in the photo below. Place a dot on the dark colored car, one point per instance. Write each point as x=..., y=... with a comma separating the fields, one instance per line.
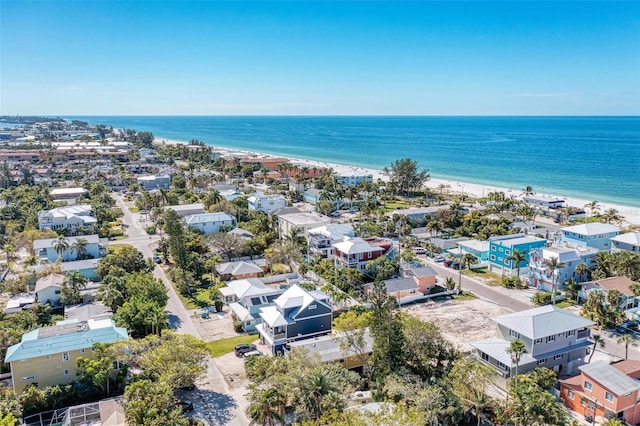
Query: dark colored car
x=447, y=263
x=455, y=265
x=244, y=348
x=157, y=259
x=186, y=406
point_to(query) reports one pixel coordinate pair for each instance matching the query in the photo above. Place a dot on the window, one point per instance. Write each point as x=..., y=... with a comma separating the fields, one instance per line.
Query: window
x=82, y=350
x=507, y=252
x=66, y=372
x=551, y=338
x=25, y=378
x=538, y=341
x=558, y=356
x=65, y=356
x=587, y=385
x=542, y=361
x=493, y=257
x=47, y=357
x=513, y=333
x=484, y=356
x=608, y=396
x=493, y=248
x=570, y=394
x=570, y=333
x=311, y=307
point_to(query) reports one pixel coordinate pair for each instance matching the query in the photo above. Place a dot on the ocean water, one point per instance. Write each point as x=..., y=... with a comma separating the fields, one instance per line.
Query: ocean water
x=594, y=158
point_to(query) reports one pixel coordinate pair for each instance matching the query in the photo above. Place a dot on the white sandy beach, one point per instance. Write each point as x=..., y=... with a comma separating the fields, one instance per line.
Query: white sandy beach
x=631, y=214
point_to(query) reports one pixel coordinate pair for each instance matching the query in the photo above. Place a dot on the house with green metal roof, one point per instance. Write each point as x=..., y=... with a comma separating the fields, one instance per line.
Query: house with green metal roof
x=47, y=356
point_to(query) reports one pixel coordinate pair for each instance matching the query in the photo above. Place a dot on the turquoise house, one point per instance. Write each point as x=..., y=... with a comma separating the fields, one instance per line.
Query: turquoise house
x=502, y=247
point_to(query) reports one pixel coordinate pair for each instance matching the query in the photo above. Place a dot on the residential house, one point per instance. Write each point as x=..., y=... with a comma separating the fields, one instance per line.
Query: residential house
x=542, y=278
x=210, y=223
x=626, y=242
x=266, y=203
x=421, y=215
x=502, y=247
x=185, y=210
x=45, y=248
x=413, y=285
x=239, y=270
x=67, y=194
x=622, y=284
x=48, y=288
x=154, y=182
x=243, y=234
x=312, y=196
x=330, y=349
x=356, y=252
x=321, y=239
x=300, y=221
x=543, y=202
x=353, y=179
x=47, y=356
x=594, y=234
x=263, y=162
x=246, y=298
x=231, y=194
x=69, y=217
x=553, y=338
x=19, y=302
x=605, y=390
x=477, y=248
x=297, y=314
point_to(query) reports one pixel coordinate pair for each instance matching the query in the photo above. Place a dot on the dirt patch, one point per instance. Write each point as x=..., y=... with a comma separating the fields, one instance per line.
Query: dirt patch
x=462, y=322
x=217, y=326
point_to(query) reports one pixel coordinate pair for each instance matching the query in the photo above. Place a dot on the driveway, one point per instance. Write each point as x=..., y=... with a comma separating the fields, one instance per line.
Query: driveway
x=214, y=402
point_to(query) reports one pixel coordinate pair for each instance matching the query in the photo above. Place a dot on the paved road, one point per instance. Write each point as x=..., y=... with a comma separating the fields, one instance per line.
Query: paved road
x=214, y=401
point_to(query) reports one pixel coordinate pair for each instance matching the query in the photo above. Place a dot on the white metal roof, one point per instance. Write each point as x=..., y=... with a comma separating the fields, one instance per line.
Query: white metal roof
x=610, y=377
x=542, y=322
x=592, y=228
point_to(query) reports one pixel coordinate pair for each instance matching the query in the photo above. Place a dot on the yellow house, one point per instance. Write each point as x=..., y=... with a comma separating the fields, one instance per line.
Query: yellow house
x=47, y=356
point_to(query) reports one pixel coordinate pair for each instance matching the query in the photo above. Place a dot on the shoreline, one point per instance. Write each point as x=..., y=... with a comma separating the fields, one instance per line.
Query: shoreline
x=631, y=214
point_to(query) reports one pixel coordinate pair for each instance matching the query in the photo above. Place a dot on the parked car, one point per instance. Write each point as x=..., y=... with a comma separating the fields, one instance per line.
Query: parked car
x=244, y=348
x=439, y=258
x=186, y=406
x=456, y=265
x=252, y=353
x=447, y=263
x=157, y=259
x=419, y=250
x=142, y=212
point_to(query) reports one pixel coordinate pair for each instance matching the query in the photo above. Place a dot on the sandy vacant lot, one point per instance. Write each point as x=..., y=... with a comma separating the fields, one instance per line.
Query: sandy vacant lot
x=462, y=322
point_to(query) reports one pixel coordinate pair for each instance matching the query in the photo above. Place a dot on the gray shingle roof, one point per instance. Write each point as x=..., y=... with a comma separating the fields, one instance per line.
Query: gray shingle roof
x=610, y=377
x=542, y=322
x=400, y=284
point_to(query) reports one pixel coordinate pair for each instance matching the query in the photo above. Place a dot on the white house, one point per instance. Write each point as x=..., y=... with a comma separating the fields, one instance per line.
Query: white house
x=594, y=234
x=322, y=238
x=210, y=223
x=266, y=203
x=185, y=210
x=626, y=242
x=48, y=288
x=231, y=194
x=67, y=194
x=541, y=277
x=45, y=248
x=353, y=179
x=69, y=217
x=154, y=182
x=301, y=221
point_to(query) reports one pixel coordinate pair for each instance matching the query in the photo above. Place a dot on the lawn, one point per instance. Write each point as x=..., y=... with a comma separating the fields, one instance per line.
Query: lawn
x=394, y=205
x=564, y=304
x=483, y=274
x=465, y=295
x=224, y=346
x=199, y=297
x=114, y=248
x=134, y=209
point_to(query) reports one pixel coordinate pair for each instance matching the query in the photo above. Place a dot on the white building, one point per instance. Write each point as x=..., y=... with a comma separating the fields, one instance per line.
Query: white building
x=322, y=238
x=266, y=203
x=301, y=221
x=48, y=288
x=70, y=217
x=210, y=223
x=69, y=194
x=353, y=179
x=626, y=242
x=185, y=210
x=154, y=182
x=541, y=277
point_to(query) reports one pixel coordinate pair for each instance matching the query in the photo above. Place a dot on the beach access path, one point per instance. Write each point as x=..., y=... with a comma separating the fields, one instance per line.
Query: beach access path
x=217, y=404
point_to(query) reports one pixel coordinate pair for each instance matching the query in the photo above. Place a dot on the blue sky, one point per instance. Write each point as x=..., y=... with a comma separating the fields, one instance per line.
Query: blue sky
x=319, y=58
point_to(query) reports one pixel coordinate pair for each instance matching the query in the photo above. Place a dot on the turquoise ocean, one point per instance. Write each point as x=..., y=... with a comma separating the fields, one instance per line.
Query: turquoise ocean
x=592, y=158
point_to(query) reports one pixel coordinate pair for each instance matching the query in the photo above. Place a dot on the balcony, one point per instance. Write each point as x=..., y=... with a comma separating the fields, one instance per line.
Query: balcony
x=583, y=334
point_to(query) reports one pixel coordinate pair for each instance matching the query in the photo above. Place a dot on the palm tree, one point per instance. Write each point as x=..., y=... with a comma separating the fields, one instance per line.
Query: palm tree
x=527, y=190
x=582, y=270
x=553, y=265
x=79, y=247
x=266, y=406
x=157, y=318
x=60, y=245
x=516, y=349
x=518, y=257
x=611, y=215
x=593, y=207
x=450, y=283
x=597, y=341
x=626, y=340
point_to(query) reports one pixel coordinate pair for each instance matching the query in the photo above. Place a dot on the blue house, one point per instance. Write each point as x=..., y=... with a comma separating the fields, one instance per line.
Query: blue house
x=480, y=249
x=595, y=234
x=297, y=314
x=502, y=247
